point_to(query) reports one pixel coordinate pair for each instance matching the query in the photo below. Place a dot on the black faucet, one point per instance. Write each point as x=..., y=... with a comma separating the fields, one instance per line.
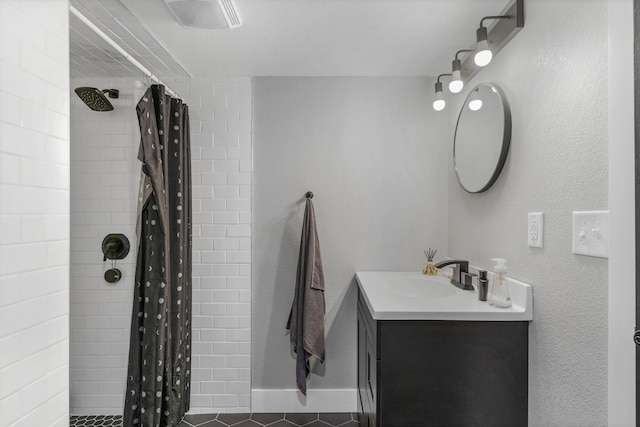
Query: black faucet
x=461, y=277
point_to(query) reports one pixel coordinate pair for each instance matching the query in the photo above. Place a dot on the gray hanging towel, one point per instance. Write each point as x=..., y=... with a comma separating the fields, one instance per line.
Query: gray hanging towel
x=306, y=319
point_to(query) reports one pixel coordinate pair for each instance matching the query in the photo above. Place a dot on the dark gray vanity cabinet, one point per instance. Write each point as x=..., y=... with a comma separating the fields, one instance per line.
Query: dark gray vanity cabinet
x=441, y=373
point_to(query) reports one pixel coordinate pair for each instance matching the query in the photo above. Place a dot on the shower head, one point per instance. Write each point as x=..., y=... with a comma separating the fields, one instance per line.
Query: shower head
x=95, y=99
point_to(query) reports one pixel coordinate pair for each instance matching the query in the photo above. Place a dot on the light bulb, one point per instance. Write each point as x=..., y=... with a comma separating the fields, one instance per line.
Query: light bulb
x=483, y=54
x=439, y=103
x=456, y=85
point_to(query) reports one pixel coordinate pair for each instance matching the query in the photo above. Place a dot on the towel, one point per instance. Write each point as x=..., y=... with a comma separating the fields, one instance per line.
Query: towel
x=306, y=319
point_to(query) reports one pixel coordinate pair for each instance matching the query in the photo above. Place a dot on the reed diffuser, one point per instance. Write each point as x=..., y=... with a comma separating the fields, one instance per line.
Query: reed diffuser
x=430, y=266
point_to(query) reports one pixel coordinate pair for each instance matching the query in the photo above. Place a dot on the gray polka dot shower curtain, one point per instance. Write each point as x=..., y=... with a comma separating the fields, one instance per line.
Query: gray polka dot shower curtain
x=160, y=345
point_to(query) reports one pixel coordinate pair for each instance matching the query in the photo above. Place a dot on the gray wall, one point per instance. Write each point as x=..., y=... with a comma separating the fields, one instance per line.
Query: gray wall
x=555, y=75
x=373, y=152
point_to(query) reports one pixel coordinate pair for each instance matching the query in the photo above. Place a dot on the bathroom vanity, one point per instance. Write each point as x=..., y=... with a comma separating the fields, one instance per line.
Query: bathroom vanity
x=432, y=354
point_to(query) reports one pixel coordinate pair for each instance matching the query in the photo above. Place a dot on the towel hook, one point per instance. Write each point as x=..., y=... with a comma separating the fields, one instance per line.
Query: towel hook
x=309, y=195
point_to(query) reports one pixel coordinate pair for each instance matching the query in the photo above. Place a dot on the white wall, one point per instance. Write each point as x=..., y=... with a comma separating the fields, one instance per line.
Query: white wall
x=221, y=153
x=104, y=184
x=371, y=150
x=105, y=174
x=622, y=350
x=34, y=213
x=554, y=73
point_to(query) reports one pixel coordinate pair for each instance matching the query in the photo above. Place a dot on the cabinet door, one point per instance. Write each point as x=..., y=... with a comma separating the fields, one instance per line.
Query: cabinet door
x=364, y=406
x=371, y=380
x=453, y=373
x=371, y=373
x=368, y=368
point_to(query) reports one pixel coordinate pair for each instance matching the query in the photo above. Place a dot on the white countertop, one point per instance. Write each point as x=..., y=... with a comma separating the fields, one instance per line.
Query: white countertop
x=414, y=296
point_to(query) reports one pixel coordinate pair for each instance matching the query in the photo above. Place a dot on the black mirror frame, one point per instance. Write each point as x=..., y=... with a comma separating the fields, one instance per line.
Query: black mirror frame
x=506, y=139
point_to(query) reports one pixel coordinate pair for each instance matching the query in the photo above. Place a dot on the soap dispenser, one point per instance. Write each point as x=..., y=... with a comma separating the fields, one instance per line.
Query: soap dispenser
x=500, y=294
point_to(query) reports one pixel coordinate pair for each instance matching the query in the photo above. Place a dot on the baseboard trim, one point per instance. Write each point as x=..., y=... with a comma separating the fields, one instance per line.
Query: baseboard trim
x=291, y=400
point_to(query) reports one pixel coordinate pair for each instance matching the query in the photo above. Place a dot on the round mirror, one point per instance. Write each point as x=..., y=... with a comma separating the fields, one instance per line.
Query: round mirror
x=482, y=138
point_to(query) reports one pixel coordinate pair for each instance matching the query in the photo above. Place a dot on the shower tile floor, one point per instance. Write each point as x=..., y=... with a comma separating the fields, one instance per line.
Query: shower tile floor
x=235, y=420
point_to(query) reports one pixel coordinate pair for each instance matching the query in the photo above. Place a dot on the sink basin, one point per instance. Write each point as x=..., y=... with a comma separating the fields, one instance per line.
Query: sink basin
x=414, y=296
x=416, y=287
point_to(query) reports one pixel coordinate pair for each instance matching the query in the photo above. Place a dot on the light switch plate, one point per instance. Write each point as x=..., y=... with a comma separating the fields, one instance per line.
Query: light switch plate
x=535, y=230
x=591, y=233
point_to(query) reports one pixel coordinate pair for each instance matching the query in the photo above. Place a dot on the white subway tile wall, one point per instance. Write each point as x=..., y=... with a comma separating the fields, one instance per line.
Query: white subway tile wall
x=34, y=213
x=220, y=112
x=104, y=179
x=104, y=188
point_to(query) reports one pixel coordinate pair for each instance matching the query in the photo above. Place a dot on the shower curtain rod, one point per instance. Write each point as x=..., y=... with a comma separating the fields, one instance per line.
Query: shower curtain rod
x=121, y=51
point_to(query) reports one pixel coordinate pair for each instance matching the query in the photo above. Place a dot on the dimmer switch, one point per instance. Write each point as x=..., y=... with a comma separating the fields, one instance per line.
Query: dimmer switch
x=591, y=233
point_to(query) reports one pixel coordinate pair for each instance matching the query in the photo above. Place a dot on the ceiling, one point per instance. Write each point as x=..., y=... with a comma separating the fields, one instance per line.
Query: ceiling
x=281, y=38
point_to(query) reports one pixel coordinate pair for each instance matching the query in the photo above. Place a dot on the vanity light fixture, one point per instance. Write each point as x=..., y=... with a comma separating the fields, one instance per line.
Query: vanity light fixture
x=456, y=84
x=475, y=103
x=489, y=43
x=483, y=54
x=439, y=103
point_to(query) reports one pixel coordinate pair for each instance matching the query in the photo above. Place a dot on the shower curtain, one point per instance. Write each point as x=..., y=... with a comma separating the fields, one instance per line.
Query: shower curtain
x=160, y=344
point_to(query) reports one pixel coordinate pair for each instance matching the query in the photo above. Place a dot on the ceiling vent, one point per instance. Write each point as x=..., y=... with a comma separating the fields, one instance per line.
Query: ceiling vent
x=205, y=14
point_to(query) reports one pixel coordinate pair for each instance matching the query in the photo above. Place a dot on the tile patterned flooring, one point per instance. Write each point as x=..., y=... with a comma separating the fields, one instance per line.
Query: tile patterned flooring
x=235, y=420
x=95, y=421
